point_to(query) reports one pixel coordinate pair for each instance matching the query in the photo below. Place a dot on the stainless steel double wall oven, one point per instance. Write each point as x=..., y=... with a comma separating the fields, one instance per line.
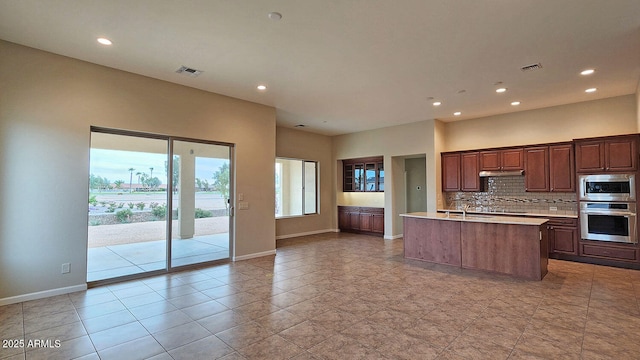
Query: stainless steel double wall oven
x=608, y=207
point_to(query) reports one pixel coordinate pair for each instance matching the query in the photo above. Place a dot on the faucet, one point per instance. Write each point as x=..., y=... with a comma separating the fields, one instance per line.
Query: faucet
x=465, y=208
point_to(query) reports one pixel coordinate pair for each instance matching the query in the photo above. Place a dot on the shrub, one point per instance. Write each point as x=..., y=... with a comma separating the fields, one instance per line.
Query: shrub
x=131, y=205
x=153, y=205
x=92, y=200
x=124, y=215
x=120, y=206
x=103, y=203
x=111, y=208
x=203, y=213
x=159, y=211
x=140, y=205
x=95, y=222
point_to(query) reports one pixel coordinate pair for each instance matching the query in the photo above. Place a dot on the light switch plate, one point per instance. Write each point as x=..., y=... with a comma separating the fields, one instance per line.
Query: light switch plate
x=66, y=268
x=243, y=205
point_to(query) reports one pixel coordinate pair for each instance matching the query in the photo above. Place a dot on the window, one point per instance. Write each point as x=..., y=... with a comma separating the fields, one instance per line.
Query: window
x=296, y=187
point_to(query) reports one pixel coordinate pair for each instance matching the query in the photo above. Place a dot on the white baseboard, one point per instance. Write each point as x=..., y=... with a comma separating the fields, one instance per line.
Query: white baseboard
x=254, y=255
x=306, y=233
x=393, y=237
x=42, y=294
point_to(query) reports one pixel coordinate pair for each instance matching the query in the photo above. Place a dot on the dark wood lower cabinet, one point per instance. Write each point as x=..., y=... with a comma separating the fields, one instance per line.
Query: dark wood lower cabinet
x=609, y=251
x=563, y=236
x=360, y=219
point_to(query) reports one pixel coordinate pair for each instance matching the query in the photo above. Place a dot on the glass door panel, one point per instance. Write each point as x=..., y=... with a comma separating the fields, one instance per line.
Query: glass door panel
x=310, y=187
x=127, y=192
x=200, y=202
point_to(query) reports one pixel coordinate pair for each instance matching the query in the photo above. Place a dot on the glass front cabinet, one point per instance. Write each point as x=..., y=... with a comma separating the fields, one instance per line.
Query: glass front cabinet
x=363, y=175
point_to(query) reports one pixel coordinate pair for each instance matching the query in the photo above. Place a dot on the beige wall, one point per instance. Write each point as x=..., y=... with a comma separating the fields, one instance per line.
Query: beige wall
x=304, y=145
x=612, y=116
x=47, y=106
x=393, y=143
x=638, y=106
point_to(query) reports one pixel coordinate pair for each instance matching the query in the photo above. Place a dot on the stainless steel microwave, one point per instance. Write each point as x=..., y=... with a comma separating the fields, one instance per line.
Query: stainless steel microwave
x=607, y=187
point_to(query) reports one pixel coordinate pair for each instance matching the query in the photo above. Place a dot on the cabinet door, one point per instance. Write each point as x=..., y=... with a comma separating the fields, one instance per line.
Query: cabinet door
x=589, y=156
x=365, y=222
x=562, y=177
x=358, y=177
x=380, y=176
x=378, y=223
x=354, y=220
x=451, y=172
x=563, y=240
x=348, y=178
x=621, y=154
x=469, y=171
x=536, y=174
x=512, y=159
x=344, y=219
x=489, y=160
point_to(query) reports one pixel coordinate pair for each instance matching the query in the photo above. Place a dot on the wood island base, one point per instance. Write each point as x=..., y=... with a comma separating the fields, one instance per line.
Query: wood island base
x=517, y=247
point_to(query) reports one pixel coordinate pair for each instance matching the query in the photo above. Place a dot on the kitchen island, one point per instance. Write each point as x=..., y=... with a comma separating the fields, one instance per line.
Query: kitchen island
x=512, y=245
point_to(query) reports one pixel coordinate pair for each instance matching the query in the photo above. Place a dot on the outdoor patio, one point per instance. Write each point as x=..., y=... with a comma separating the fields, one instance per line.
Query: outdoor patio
x=111, y=261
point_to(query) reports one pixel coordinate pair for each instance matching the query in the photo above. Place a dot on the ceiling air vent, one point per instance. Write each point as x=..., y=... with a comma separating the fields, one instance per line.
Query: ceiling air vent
x=531, y=67
x=188, y=71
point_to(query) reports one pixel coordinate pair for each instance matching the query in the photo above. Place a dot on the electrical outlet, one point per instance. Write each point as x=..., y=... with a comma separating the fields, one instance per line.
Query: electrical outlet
x=242, y=205
x=66, y=268
x=553, y=208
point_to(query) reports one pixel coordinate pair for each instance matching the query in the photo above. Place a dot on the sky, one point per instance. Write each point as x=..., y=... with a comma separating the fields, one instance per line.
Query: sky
x=115, y=164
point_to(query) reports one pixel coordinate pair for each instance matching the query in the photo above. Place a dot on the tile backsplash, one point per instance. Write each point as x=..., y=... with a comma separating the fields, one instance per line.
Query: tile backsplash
x=507, y=194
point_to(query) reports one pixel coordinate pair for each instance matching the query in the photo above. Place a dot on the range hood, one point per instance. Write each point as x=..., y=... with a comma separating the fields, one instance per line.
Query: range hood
x=501, y=173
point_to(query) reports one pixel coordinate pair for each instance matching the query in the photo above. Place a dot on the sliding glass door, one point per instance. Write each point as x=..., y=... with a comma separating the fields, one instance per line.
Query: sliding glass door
x=134, y=189
x=200, y=202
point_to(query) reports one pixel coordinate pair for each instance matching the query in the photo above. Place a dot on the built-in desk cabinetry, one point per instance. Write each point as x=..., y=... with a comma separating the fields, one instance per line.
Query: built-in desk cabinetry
x=360, y=219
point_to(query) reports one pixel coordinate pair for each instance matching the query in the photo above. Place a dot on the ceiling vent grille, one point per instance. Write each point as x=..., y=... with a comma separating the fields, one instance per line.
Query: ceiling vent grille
x=531, y=67
x=189, y=71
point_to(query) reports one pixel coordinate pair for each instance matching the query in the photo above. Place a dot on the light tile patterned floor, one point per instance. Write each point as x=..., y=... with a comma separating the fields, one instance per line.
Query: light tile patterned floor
x=339, y=296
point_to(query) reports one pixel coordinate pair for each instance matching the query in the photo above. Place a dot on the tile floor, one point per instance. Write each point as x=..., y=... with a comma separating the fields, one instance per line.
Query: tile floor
x=339, y=296
x=106, y=262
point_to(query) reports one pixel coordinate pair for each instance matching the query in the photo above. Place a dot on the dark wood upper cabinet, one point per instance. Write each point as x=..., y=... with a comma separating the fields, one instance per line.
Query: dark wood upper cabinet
x=589, y=156
x=619, y=153
x=451, y=172
x=536, y=172
x=508, y=159
x=562, y=175
x=470, y=171
x=490, y=160
x=513, y=159
x=363, y=175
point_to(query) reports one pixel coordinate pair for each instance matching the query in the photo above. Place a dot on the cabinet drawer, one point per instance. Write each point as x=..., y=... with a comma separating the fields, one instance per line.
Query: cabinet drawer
x=617, y=253
x=563, y=222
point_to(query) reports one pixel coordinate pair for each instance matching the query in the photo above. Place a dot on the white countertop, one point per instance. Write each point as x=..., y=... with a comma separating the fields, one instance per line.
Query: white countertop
x=481, y=218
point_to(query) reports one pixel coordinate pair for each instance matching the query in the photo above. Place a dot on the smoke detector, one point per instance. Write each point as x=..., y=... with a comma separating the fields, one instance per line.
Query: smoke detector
x=531, y=67
x=189, y=71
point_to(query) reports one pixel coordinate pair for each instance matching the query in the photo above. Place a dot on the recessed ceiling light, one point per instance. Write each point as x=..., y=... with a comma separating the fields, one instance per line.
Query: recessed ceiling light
x=104, y=41
x=437, y=103
x=457, y=113
x=587, y=72
x=515, y=103
x=262, y=87
x=501, y=90
x=590, y=90
x=275, y=16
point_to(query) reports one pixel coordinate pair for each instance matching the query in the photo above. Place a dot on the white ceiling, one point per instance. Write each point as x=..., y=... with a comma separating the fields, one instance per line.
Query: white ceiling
x=341, y=66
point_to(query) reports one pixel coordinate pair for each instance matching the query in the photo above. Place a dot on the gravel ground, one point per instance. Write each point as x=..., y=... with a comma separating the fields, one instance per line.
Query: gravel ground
x=105, y=235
